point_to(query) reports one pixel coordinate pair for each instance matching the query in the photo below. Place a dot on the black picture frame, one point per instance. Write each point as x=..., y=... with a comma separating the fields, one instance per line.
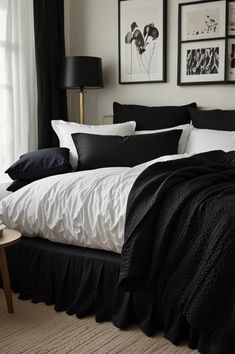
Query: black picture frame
x=142, y=35
x=204, y=43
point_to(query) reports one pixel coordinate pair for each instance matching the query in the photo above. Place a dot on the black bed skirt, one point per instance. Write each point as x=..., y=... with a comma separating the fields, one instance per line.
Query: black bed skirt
x=83, y=281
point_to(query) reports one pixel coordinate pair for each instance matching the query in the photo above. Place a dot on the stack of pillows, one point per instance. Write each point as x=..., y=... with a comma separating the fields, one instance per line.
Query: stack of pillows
x=139, y=134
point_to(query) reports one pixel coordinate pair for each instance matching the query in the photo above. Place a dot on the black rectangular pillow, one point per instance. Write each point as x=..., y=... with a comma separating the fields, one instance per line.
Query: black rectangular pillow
x=152, y=118
x=40, y=163
x=97, y=151
x=215, y=119
x=17, y=184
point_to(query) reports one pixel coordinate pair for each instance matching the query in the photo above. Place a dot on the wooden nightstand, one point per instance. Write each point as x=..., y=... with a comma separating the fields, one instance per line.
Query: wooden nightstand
x=8, y=238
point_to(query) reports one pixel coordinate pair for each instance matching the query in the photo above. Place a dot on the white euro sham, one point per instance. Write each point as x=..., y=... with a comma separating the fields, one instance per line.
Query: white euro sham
x=183, y=139
x=202, y=140
x=64, y=130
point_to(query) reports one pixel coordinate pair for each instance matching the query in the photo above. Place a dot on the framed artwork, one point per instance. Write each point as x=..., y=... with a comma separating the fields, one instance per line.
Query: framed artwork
x=231, y=18
x=205, y=42
x=142, y=41
x=203, y=20
x=230, y=70
x=231, y=59
x=202, y=61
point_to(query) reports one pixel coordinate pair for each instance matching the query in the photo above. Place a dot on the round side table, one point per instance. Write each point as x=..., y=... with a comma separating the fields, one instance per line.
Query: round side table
x=8, y=238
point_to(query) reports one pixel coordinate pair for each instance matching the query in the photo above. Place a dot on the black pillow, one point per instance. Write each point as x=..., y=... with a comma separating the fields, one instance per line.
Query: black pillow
x=40, y=163
x=17, y=184
x=148, y=118
x=96, y=151
x=215, y=119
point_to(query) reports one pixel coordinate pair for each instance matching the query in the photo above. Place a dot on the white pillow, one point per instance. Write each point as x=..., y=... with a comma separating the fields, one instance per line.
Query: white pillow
x=64, y=130
x=202, y=140
x=183, y=139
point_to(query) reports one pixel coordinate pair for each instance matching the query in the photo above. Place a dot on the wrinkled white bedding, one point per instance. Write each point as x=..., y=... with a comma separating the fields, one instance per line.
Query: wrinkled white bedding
x=81, y=208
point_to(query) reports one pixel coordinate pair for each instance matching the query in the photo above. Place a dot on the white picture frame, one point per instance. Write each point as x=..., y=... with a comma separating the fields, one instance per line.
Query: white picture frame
x=203, y=20
x=202, y=62
x=142, y=41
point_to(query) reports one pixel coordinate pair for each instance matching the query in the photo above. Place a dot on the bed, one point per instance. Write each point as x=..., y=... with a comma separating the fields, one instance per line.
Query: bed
x=80, y=261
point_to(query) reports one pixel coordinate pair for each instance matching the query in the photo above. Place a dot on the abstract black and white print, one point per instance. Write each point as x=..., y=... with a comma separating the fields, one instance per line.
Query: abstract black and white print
x=206, y=24
x=203, y=61
x=202, y=42
x=203, y=20
x=231, y=19
x=231, y=59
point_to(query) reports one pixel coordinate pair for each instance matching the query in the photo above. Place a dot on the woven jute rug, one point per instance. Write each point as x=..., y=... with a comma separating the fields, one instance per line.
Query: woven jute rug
x=37, y=328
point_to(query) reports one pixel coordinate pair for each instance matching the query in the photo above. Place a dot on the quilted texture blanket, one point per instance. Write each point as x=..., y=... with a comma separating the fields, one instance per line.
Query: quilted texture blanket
x=180, y=240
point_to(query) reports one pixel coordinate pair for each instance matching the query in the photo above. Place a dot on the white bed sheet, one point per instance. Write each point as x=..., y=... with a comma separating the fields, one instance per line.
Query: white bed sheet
x=85, y=208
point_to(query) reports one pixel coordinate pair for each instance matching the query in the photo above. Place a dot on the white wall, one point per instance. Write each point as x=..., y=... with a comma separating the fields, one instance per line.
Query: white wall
x=92, y=29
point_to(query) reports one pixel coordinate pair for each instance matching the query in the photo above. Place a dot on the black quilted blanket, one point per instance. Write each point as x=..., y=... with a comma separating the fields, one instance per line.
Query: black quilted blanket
x=180, y=238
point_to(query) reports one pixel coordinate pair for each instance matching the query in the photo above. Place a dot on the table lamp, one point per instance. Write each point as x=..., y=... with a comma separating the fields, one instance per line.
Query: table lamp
x=81, y=73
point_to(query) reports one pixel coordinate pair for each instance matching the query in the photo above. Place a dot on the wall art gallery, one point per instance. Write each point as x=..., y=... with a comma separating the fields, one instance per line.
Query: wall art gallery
x=206, y=48
x=206, y=42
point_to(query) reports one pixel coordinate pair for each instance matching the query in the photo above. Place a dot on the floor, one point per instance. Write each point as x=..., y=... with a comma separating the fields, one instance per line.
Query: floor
x=37, y=328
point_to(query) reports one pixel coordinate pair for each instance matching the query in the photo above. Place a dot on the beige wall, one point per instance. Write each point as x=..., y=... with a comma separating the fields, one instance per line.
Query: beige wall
x=92, y=29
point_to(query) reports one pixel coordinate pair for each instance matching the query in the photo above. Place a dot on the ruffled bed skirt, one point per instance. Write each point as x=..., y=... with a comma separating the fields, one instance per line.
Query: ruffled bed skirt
x=84, y=281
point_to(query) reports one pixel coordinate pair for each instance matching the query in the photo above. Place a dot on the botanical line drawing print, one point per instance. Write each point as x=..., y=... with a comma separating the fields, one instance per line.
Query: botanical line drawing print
x=144, y=43
x=203, y=61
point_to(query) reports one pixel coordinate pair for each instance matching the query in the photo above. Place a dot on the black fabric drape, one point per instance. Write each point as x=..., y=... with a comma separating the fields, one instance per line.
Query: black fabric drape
x=85, y=281
x=50, y=50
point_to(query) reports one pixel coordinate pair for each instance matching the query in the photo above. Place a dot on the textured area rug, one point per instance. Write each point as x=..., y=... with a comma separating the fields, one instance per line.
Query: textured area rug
x=37, y=328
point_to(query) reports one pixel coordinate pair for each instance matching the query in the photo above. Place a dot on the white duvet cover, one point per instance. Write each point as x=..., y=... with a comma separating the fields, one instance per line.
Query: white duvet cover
x=85, y=208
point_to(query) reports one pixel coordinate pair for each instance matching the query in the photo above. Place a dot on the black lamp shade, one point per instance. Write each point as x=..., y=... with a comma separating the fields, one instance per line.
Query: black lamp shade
x=81, y=72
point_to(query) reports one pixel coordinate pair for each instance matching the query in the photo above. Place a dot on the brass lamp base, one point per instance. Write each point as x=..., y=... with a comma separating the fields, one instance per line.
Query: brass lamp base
x=81, y=105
